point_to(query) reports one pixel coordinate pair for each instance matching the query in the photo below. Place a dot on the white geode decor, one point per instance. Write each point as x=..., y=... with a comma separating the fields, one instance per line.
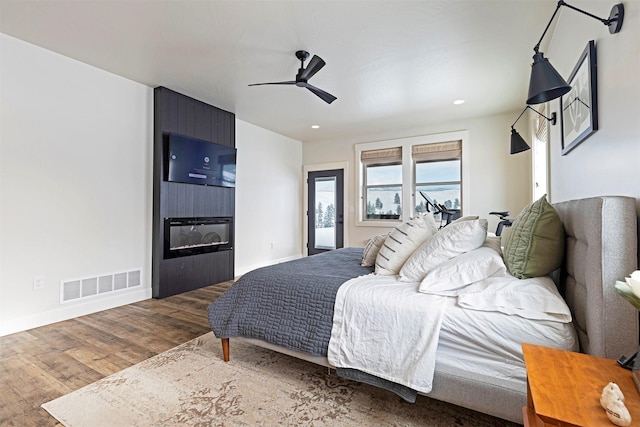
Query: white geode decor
x=612, y=400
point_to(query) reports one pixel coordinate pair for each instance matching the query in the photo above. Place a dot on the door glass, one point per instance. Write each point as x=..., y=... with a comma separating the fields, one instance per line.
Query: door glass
x=325, y=215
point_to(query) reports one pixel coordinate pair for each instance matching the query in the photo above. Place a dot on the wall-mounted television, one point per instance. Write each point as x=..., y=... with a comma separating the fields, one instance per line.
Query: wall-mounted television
x=195, y=161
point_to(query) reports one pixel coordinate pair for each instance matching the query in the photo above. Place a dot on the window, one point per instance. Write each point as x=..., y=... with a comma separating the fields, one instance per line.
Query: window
x=382, y=184
x=392, y=173
x=540, y=156
x=438, y=171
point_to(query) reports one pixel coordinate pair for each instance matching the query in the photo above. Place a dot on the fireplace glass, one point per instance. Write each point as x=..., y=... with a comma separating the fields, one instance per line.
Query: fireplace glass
x=193, y=236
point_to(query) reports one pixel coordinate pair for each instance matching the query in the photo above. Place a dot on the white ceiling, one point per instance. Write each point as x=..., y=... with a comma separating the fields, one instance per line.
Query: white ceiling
x=393, y=65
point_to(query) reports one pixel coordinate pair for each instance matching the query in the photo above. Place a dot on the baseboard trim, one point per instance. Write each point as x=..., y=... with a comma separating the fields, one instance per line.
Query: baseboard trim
x=68, y=311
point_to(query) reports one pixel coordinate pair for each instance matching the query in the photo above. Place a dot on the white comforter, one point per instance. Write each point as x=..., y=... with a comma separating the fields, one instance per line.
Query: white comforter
x=386, y=328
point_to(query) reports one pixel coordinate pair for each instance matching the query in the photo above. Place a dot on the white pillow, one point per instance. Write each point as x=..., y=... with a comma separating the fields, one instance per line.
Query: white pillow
x=536, y=298
x=371, y=250
x=401, y=243
x=463, y=270
x=455, y=239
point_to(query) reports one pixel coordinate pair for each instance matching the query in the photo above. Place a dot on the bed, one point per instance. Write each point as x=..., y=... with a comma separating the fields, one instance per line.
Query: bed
x=600, y=247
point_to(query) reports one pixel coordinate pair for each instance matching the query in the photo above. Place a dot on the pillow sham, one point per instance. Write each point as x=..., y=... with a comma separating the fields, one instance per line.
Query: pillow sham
x=465, y=218
x=454, y=239
x=371, y=250
x=536, y=298
x=534, y=245
x=493, y=242
x=464, y=269
x=401, y=243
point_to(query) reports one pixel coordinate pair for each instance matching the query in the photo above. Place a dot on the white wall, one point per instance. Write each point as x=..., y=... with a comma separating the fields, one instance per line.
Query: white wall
x=499, y=181
x=606, y=163
x=76, y=186
x=268, y=198
x=75, y=182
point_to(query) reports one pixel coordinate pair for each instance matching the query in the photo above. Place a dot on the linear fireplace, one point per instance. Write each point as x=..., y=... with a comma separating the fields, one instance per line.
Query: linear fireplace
x=192, y=236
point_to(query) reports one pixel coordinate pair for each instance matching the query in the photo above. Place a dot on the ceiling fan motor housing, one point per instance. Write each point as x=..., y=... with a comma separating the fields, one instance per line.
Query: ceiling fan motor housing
x=302, y=55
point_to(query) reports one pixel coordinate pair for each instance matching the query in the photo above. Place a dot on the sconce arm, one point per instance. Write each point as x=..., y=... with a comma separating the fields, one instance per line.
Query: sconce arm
x=552, y=119
x=537, y=46
x=616, y=16
x=604, y=21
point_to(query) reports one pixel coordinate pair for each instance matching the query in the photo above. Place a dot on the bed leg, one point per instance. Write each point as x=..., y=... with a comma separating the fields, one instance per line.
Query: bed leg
x=225, y=349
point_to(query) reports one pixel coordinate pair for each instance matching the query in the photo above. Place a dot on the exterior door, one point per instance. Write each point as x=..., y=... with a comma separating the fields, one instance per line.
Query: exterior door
x=325, y=212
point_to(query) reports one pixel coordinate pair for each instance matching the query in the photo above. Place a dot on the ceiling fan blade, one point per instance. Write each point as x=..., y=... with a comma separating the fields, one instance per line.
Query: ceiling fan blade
x=326, y=97
x=304, y=75
x=313, y=67
x=274, y=83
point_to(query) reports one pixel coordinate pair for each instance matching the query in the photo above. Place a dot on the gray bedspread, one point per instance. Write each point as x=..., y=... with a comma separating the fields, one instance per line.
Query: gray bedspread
x=272, y=303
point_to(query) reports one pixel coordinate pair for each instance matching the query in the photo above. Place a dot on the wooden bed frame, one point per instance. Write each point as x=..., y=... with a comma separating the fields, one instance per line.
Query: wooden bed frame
x=601, y=247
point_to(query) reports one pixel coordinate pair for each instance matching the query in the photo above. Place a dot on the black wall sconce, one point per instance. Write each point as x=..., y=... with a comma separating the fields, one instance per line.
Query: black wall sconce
x=546, y=83
x=518, y=144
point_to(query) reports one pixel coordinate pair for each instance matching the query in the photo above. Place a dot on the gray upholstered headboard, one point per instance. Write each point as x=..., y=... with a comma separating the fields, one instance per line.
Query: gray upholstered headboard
x=601, y=247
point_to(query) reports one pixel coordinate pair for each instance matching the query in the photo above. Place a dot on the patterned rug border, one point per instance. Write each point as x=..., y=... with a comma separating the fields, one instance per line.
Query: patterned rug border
x=190, y=385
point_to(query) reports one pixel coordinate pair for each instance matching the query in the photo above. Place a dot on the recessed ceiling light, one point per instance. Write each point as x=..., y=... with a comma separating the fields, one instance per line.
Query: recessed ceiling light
x=315, y=127
x=458, y=101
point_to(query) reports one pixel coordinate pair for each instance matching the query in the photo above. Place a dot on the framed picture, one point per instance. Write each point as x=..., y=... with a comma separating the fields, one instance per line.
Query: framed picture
x=579, y=107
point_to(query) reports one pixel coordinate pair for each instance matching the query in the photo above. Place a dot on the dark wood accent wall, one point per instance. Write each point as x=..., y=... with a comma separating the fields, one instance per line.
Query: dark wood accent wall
x=177, y=113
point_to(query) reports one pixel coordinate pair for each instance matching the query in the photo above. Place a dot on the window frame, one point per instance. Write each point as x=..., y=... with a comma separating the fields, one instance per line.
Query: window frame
x=416, y=184
x=408, y=196
x=366, y=187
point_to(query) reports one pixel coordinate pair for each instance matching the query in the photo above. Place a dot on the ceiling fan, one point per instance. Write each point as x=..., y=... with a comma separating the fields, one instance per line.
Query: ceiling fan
x=304, y=74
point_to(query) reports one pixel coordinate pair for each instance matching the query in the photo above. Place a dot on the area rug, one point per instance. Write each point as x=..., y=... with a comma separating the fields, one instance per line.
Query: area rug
x=190, y=385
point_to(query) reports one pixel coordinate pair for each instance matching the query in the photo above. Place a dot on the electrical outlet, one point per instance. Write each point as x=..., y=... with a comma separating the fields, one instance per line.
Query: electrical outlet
x=38, y=283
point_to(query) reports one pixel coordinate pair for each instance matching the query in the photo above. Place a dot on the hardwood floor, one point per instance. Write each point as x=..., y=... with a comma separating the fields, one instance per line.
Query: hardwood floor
x=47, y=362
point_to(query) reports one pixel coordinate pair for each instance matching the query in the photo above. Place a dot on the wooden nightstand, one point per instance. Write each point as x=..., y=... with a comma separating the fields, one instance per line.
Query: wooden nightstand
x=564, y=388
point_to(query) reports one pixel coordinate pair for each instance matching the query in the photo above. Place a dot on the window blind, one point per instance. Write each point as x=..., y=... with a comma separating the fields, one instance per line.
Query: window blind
x=382, y=157
x=439, y=151
x=543, y=126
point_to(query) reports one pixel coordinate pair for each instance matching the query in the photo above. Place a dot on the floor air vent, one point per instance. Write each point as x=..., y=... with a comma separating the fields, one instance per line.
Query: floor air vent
x=71, y=290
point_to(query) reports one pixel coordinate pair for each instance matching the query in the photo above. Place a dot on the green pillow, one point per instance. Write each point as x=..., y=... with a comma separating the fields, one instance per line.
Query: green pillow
x=535, y=243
